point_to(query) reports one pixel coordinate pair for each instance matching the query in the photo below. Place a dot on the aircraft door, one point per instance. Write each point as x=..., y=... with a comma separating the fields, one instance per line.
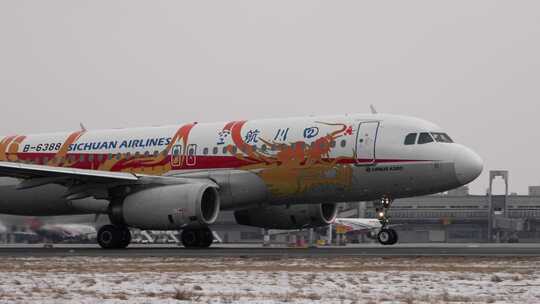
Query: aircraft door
x=192, y=155
x=176, y=156
x=366, y=140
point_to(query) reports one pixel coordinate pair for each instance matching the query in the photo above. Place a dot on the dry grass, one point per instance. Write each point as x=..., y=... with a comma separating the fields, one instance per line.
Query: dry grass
x=351, y=264
x=186, y=295
x=496, y=279
x=345, y=280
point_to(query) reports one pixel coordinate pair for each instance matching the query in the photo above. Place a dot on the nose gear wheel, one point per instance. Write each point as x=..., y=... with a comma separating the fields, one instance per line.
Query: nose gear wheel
x=386, y=235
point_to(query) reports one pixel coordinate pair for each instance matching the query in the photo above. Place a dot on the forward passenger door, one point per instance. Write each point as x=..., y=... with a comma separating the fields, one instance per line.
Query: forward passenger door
x=366, y=141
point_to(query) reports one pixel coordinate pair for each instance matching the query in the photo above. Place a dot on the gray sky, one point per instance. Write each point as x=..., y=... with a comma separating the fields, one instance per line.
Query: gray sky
x=472, y=67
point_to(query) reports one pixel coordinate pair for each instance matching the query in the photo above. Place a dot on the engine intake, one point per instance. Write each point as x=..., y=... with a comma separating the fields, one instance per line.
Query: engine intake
x=170, y=207
x=283, y=217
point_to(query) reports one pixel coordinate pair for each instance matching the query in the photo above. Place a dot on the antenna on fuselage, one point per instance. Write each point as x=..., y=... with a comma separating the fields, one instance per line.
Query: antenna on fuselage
x=373, y=110
x=83, y=128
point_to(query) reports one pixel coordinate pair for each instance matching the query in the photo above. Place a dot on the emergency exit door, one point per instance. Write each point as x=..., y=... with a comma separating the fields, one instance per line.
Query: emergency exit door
x=176, y=156
x=366, y=141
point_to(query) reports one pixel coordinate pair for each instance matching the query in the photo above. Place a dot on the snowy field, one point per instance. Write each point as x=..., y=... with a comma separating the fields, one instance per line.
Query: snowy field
x=270, y=280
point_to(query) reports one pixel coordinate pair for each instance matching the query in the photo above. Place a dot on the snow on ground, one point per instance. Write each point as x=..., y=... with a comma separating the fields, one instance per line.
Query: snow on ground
x=270, y=280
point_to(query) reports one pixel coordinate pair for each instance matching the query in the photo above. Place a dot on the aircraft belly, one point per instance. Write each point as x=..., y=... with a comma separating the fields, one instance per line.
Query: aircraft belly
x=348, y=183
x=307, y=185
x=403, y=180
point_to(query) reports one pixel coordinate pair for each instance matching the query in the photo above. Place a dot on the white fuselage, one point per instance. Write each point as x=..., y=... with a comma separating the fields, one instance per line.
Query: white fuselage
x=301, y=160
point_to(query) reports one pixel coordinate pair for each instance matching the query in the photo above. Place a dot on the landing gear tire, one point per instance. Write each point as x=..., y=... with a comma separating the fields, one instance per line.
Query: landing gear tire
x=114, y=237
x=387, y=236
x=206, y=238
x=197, y=238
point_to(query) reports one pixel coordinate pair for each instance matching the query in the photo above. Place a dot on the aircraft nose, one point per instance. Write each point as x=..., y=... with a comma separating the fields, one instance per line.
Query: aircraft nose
x=468, y=165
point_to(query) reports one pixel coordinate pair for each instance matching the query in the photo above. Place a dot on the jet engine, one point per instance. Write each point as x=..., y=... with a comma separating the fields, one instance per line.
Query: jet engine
x=169, y=207
x=288, y=217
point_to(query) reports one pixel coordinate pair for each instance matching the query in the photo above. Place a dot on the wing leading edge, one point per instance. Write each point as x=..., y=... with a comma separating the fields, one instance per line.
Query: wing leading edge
x=82, y=183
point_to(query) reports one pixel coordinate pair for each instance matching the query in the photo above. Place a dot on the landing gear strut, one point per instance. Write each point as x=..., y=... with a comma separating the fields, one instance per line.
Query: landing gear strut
x=197, y=238
x=386, y=236
x=114, y=237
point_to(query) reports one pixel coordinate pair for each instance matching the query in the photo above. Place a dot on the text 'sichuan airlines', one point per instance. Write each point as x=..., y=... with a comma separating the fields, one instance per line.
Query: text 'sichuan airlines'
x=274, y=173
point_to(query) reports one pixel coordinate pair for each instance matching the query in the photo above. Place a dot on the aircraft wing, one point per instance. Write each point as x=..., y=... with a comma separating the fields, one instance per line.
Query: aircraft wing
x=89, y=182
x=19, y=170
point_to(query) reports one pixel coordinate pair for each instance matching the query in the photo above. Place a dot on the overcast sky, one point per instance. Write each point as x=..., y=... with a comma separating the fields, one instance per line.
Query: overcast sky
x=473, y=67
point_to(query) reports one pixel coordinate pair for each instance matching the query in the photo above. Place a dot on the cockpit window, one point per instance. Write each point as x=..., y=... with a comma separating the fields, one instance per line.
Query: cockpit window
x=410, y=139
x=442, y=137
x=424, y=138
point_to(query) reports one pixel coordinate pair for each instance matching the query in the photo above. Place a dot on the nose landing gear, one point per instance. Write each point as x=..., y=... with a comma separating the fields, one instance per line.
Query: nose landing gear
x=386, y=236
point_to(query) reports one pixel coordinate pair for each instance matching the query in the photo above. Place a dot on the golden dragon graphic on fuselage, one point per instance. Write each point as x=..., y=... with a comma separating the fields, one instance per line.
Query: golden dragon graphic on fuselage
x=297, y=167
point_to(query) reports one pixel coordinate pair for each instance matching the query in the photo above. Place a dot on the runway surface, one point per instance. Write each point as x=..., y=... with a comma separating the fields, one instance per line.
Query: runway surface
x=240, y=250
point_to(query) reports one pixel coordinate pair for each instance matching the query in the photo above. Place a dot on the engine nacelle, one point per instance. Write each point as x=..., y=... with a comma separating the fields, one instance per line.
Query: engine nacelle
x=292, y=217
x=170, y=207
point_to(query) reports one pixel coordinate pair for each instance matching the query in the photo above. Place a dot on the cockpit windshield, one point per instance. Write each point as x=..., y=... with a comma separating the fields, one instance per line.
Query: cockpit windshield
x=427, y=137
x=442, y=137
x=424, y=138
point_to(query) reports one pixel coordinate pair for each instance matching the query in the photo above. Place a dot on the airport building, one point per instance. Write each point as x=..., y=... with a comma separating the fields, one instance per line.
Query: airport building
x=454, y=217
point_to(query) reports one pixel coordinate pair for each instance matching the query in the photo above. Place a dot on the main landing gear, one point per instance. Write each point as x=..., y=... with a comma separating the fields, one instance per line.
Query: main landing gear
x=386, y=236
x=197, y=237
x=114, y=237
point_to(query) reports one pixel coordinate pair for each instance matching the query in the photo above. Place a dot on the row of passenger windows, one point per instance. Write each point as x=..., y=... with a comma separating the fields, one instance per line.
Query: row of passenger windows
x=426, y=137
x=264, y=148
x=176, y=152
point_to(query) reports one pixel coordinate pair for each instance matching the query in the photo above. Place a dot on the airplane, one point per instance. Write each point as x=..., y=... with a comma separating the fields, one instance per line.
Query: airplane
x=273, y=173
x=58, y=233
x=372, y=226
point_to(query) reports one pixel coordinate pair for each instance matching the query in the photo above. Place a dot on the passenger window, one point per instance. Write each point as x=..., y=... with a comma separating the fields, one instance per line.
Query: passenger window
x=343, y=143
x=224, y=150
x=424, y=138
x=234, y=150
x=215, y=150
x=333, y=144
x=410, y=139
x=205, y=151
